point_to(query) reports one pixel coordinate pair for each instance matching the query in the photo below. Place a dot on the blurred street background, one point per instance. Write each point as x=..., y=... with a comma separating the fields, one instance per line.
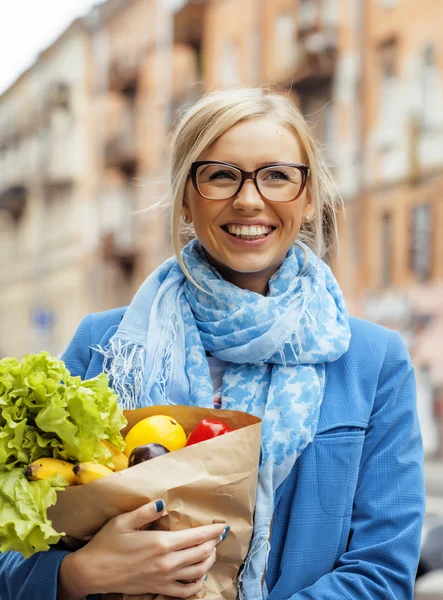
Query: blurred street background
x=86, y=111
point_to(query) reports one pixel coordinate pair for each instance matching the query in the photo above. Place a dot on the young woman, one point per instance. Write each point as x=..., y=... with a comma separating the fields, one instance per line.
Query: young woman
x=249, y=317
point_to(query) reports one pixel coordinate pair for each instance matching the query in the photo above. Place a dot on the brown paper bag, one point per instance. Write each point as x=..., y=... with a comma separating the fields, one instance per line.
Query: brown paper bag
x=212, y=481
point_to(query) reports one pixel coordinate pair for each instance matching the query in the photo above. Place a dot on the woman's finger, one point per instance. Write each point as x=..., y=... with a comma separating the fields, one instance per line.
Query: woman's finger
x=196, y=571
x=177, y=590
x=191, y=556
x=143, y=515
x=188, y=538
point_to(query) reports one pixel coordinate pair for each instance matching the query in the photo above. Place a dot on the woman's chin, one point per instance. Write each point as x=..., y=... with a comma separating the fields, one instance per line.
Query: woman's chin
x=251, y=269
x=243, y=264
x=239, y=267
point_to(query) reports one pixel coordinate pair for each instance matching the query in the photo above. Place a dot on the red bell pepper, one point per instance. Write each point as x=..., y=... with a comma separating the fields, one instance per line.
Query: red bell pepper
x=206, y=430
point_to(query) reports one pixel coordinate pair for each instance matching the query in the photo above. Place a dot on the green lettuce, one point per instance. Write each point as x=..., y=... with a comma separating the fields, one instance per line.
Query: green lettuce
x=24, y=526
x=45, y=411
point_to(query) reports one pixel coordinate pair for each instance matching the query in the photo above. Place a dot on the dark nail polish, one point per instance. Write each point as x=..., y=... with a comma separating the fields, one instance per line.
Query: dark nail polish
x=159, y=506
x=223, y=536
x=206, y=578
x=227, y=528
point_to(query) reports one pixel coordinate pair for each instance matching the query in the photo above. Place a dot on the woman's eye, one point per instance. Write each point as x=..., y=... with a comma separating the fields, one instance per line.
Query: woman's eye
x=277, y=175
x=222, y=175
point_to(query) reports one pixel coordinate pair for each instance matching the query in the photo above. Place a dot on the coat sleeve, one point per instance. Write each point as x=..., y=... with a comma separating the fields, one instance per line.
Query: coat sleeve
x=32, y=578
x=383, y=549
x=35, y=578
x=77, y=355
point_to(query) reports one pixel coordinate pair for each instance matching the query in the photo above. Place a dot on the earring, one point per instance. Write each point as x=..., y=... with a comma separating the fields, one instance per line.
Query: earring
x=185, y=218
x=307, y=218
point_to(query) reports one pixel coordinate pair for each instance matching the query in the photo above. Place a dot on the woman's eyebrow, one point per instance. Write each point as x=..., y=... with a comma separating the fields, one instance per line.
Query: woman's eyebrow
x=258, y=165
x=274, y=161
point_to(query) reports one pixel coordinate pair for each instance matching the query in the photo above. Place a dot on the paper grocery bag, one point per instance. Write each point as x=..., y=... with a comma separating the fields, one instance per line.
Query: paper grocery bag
x=212, y=481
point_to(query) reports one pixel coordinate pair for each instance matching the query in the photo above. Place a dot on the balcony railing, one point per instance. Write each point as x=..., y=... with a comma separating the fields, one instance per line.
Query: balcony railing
x=317, y=26
x=317, y=41
x=117, y=228
x=314, y=15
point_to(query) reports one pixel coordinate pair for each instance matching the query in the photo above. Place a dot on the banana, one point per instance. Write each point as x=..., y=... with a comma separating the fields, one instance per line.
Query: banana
x=45, y=468
x=88, y=471
x=119, y=460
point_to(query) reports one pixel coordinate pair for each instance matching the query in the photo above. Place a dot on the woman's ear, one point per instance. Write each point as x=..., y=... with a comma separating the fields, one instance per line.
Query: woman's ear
x=308, y=208
x=186, y=211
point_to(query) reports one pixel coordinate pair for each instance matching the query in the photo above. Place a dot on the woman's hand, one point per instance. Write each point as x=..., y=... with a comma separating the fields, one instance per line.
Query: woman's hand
x=123, y=558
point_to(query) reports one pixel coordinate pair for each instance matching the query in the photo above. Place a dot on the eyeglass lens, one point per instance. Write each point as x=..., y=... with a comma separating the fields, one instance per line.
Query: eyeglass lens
x=278, y=183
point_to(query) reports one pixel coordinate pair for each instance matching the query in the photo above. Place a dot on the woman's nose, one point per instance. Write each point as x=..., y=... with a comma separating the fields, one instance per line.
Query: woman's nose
x=248, y=198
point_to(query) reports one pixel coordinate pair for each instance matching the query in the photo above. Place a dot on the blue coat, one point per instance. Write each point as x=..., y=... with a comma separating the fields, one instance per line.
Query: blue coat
x=347, y=520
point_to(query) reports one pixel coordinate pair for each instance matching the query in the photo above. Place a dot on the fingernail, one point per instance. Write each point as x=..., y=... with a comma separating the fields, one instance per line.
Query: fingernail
x=206, y=578
x=223, y=536
x=159, y=506
x=227, y=528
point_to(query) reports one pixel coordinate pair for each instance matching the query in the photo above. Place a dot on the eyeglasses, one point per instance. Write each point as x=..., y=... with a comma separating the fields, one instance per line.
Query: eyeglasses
x=277, y=182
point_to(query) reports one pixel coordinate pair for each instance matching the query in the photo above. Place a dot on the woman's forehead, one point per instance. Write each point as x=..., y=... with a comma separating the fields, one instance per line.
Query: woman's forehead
x=255, y=142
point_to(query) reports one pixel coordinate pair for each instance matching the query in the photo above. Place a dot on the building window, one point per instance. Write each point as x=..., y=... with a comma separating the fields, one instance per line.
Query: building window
x=421, y=241
x=388, y=89
x=307, y=14
x=429, y=87
x=329, y=127
x=284, y=41
x=388, y=3
x=318, y=108
x=59, y=225
x=386, y=250
x=230, y=71
x=330, y=12
x=255, y=57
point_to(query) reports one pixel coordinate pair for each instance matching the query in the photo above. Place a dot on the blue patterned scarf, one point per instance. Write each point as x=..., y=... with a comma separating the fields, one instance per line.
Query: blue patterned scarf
x=277, y=346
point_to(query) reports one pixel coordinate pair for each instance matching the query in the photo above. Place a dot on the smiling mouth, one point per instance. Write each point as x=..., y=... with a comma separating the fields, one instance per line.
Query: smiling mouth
x=253, y=232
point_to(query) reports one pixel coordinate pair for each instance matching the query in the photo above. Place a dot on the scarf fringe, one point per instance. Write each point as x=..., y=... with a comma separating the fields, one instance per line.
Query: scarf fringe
x=259, y=542
x=124, y=364
x=163, y=378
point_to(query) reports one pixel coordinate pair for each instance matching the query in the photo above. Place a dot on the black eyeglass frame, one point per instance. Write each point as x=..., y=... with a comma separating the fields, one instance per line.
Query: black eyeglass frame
x=304, y=170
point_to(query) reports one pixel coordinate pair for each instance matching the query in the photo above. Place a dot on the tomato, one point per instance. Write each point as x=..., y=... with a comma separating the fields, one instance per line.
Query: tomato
x=206, y=430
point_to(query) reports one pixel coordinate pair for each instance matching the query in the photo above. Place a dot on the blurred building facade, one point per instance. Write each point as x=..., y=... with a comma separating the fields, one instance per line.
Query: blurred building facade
x=401, y=275
x=75, y=183
x=45, y=170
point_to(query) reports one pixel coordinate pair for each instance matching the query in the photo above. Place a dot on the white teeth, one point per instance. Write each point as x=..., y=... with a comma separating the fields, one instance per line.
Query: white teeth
x=245, y=230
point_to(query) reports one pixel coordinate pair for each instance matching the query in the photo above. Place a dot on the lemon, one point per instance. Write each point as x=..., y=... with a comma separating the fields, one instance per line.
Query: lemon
x=158, y=429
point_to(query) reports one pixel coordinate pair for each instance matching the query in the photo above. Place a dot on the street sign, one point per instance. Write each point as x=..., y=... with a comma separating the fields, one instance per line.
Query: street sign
x=43, y=318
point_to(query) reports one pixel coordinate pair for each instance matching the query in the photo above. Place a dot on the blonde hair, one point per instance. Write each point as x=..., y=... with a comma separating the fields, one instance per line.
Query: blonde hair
x=213, y=115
